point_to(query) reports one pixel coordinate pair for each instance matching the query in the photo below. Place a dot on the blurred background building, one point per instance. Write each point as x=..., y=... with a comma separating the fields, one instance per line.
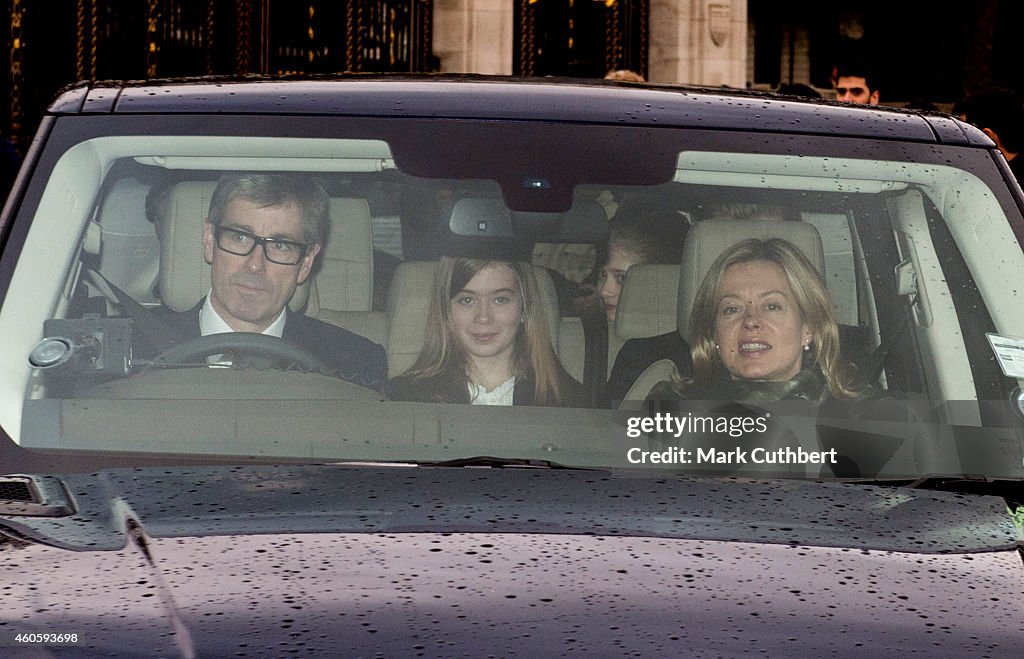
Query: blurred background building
x=935, y=50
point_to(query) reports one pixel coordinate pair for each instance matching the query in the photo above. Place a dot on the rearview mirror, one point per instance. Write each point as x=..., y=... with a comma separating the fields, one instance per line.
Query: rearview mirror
x=489, y=217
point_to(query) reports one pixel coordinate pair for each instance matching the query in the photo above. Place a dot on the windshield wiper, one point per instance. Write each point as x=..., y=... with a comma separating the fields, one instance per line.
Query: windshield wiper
x=962, y=483
x=500, y=463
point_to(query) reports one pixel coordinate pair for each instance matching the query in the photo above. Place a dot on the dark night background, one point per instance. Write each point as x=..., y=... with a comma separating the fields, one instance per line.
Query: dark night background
x=935, y=50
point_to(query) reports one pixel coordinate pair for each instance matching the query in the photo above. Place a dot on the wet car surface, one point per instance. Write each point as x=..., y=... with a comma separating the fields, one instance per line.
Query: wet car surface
x=186, y=503
x=246, y=560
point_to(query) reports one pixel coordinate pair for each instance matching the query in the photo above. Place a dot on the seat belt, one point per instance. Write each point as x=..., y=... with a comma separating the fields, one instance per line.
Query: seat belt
x=158, y=332
x=595, y=357
x=871, y=367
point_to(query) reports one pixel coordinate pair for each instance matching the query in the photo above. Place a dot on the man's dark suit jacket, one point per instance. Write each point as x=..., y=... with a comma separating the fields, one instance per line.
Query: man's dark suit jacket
x=354, y=358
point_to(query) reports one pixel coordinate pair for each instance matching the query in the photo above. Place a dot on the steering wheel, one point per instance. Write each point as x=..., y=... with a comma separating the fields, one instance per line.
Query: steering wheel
x=249, y=344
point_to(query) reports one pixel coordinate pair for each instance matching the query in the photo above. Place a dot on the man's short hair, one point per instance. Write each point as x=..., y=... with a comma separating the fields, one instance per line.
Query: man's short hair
x=1000, y=110
x=858, y=68
x=276, y=190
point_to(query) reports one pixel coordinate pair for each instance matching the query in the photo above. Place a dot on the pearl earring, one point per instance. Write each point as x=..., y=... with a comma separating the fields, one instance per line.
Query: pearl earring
x=807, y=347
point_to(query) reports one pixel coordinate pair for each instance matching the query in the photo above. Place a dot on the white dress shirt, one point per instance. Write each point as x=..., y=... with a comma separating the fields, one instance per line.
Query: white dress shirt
x=211, y=322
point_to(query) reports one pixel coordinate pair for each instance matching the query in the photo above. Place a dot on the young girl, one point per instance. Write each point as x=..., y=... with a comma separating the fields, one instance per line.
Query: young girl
x=487, y=341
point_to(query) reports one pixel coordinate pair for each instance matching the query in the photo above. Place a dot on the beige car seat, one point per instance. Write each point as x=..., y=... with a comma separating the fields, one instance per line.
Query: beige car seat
x=648, y=305
x=341, y=290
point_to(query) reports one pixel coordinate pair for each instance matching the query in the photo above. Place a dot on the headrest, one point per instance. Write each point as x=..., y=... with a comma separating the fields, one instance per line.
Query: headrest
x=184, y=273
x=648, y=301
x=343, y=277
x=130, y=253
x=707, y=240
x=409, y=302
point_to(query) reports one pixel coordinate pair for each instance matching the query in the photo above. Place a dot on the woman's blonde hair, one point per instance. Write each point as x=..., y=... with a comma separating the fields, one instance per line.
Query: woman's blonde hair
x=532, y=354
x=809, y=293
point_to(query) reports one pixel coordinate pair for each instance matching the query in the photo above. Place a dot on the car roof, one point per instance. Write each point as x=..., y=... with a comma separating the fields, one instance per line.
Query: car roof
x=526, y=99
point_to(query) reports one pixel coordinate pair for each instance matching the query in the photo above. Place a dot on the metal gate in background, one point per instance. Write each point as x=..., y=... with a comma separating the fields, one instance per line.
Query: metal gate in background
x=580, y=38
x=52, y=43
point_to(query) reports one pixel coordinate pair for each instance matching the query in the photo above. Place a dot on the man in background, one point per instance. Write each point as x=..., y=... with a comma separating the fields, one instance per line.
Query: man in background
x=855, y=82
x=999, y=113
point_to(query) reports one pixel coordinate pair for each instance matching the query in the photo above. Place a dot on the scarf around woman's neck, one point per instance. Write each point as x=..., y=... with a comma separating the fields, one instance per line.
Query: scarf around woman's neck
x=809, y=384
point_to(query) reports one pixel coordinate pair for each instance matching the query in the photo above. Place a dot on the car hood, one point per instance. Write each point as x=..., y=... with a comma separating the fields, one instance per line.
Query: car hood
x=406, y=561
x=503, y=594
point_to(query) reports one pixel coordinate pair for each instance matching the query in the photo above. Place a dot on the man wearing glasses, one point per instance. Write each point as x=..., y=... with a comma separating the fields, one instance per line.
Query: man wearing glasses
x=261, y=238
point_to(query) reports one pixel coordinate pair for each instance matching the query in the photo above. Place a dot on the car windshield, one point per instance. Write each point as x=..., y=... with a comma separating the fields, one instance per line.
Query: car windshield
x=488, y=294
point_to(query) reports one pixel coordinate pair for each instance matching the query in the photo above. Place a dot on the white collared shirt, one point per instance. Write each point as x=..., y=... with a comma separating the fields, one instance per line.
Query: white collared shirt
x=501, y=395
x=211, y=322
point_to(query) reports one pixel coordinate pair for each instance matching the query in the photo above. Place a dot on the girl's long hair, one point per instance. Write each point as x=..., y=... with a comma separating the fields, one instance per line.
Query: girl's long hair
x=443, y=357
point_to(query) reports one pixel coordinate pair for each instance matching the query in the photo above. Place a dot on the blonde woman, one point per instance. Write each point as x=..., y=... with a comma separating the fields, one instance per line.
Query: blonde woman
x=487, y=341
x=762, y=328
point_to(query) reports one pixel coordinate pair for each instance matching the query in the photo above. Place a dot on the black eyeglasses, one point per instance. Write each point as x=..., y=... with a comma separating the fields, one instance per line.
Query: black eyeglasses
x=241, y=243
